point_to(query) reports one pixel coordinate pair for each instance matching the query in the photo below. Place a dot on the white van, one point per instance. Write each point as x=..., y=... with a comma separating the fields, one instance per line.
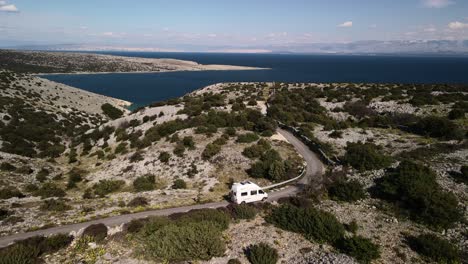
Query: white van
x=247, y=192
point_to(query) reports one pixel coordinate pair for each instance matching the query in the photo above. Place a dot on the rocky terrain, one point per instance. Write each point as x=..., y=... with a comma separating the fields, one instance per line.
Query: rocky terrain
x=67, y=62
x=189, y=150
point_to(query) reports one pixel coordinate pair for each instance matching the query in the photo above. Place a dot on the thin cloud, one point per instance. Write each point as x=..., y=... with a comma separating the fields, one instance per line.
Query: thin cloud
x=458, y=25
x=5, y=7
x=346, y=24
x=437, y=3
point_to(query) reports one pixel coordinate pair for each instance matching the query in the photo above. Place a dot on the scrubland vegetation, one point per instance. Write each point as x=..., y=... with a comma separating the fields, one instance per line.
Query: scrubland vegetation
x=394, y=193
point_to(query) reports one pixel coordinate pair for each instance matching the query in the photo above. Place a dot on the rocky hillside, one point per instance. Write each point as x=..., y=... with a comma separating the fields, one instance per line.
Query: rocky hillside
x=396, y=194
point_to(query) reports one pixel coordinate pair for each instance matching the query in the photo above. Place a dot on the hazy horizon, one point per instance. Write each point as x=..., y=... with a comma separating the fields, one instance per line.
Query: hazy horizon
x=244, y=26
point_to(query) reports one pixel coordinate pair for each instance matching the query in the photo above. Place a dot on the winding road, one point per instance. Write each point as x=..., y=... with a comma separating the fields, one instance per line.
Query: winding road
x=313, y=175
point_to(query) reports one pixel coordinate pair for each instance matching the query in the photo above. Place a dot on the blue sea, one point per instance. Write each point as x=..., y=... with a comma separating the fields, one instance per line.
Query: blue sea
x=145, y=88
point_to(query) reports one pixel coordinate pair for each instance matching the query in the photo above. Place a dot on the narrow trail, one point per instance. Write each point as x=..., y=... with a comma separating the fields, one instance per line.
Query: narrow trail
x=313, y=175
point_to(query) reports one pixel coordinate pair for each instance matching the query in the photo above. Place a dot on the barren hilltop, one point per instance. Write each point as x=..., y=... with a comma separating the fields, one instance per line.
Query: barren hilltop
x=394, y=189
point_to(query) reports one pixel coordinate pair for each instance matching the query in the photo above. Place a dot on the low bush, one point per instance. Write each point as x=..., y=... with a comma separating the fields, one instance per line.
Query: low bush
x=297, y=201
x=210, y=151
x=414, y=188
x=362, y=249
x=50, y=189
x=10, y=192
x=257, y=150
x=164, y=157
x=247, y=138
x=121, y=148
x=188, y=142
x=98, y=232
x=5, y=166
x=56, y=205
x=179, y=184
x=346, y=191
x=177, y=242
x=144, y=183
x=111, y=111
x=234, y=261
x=365, y=156
x=435, y=248
x=219, y=218
x=75, y=176
x=138, y=201
x=41, y=175
x=352, y=227
x=30, y=250
x=262, y=254
x=315, y=225
x=243, y=211
x=4, y=214
x=438, y=127
x=104, y=187
x=179, y=150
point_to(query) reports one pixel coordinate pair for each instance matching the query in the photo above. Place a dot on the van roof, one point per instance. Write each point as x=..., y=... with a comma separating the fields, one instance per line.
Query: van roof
x=245, y=185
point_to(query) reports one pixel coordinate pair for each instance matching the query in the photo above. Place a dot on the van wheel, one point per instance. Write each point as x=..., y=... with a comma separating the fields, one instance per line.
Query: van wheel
x=243, y=203
x=264, y=199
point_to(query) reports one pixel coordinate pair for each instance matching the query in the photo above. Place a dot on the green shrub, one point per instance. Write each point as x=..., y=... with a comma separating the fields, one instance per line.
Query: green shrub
x=19, y=253
x=29, y=250
x=75, y=176
x=234, y=261
x=257, y=150
x=188, y=142
x=144, y=183
x=137, y=156
x=262, y=254
x=365, y=156
x=121, y=148
x=179, y=150
x=55, y=205
x=111, y=111
x=352, y=227
x=10, y=192
x=243, y=211
x=104, y=187
x=219, y=218
x=247, y=138
x=415, y=189
x=97, y=231
x=438, y=127
x=210, y=151
x=346, y=191
x=138, y=201
x=5, y=166
x=3, y=214
x=456, y=114
x=42, y=175
x=362, y=249
x=164, y=157
x=314, y=224
x=184, y=242
x=435, y=248
x=50, y=189
x=179, y=184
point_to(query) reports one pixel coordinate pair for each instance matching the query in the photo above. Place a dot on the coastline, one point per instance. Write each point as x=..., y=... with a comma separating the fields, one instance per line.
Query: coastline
x=237, y=68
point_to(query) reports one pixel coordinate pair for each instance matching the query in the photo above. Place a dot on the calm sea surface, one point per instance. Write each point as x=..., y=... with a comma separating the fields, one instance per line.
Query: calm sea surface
x=144, y=88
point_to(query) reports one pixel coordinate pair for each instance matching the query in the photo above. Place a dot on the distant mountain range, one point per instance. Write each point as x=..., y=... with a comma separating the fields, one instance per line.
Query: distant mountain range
x=434, y=47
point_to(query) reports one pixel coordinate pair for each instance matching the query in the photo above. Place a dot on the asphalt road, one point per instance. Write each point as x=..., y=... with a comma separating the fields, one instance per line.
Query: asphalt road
x=313, y=175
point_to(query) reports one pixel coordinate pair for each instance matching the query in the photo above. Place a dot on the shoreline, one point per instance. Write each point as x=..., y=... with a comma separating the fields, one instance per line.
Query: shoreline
x=240, y=68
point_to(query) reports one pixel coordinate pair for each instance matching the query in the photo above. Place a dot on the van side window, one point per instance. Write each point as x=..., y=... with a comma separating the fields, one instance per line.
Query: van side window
x=253, y=192
x=260, y=192
x=244, y=194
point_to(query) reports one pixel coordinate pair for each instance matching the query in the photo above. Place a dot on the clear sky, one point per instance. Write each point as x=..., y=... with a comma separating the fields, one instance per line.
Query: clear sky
x=243, y=23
